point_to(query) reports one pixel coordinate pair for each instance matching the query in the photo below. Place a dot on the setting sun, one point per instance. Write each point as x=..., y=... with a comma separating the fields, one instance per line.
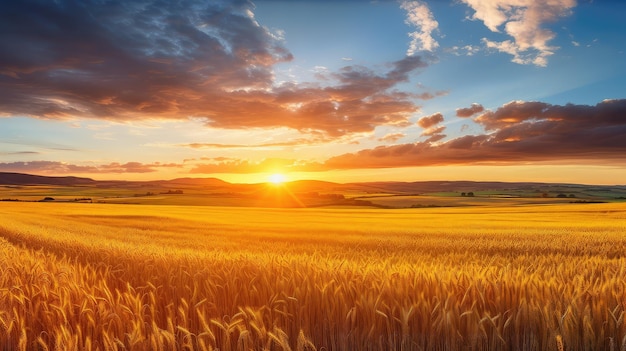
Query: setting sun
x=277, y=178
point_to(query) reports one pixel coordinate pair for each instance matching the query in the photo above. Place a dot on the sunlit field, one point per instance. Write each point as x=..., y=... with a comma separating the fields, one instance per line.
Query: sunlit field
x=141, y=277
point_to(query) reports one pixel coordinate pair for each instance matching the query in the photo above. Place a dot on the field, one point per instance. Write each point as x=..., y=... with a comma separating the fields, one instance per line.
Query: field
x=214, y=192
x=83, y=276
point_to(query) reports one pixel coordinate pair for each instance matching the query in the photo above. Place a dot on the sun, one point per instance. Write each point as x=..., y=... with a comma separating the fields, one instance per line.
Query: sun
x=277, y=178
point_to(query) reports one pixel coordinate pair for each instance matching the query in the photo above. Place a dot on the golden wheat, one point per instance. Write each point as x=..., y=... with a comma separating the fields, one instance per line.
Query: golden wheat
x=106, y=277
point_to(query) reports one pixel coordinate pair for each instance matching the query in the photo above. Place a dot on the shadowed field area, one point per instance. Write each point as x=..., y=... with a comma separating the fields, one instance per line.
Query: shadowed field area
x=107, y=277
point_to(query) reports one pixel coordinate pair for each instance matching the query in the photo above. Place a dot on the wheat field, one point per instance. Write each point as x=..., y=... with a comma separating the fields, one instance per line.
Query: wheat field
x=125, y=277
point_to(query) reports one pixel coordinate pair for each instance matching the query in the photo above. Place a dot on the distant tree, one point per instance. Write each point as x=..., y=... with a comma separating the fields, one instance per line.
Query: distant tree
x=561, y=196
x=470, y=194
x=463, y=194
x=48, y=198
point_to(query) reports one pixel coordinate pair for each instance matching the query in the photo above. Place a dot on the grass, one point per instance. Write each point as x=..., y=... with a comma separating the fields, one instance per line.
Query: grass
x=123, y=277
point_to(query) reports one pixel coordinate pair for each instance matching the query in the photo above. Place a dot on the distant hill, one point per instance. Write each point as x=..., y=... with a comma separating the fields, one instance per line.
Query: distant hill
x=29, y=179
x=323, y=187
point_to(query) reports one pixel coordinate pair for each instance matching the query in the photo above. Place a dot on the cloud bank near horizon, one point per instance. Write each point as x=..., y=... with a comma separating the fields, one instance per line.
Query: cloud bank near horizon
x=516, y=132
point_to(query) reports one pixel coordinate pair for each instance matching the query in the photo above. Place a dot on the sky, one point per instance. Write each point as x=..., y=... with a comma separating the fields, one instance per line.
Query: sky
x=492, y=90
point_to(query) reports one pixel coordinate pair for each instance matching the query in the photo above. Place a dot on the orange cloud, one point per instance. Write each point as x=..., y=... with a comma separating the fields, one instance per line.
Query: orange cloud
x=433, y=130
x=392, y=137
x=429, y=121
x=469, y=111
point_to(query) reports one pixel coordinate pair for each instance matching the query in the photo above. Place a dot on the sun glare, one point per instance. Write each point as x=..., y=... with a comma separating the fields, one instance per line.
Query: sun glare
x=277, y=178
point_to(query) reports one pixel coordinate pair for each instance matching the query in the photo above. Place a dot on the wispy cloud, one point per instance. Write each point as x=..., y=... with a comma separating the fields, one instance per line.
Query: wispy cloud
x=524, y=21
x=55, y=167
x=19, y=153
x=246, y=166
x=465, y=50
x=296, y=142
x=392, y=137
x=39, y=145
x=420, y=17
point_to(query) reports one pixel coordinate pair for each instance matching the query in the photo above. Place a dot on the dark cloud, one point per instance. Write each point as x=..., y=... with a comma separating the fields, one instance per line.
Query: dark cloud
x=570, y=116
x=429, y=121
x=520, y=132
x=124, y=60
x=469, y=111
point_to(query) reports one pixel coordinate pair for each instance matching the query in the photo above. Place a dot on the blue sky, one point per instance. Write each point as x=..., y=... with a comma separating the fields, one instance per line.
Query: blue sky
x=334, y=90
x=587, y=67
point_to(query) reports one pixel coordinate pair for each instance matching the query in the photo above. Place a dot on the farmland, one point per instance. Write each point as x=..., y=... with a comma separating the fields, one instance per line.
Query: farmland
x=76, y=276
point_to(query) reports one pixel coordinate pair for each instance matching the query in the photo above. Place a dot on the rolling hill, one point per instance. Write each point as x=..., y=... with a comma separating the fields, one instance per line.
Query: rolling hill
x=301, y=193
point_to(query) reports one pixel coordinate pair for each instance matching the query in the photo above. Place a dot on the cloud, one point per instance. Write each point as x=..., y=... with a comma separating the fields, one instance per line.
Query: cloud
x=20, y=153
x=518, y=132
x=469, y=111
x=435, y=138
x=208, y=60
x=263, y=166
x=429, y=121
x=55, y=167
x=433, y=130
x=392, y=137
x=38, y=145
x=295, y=142
x=466, y=50
x=419, y=16
x=524, y=21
